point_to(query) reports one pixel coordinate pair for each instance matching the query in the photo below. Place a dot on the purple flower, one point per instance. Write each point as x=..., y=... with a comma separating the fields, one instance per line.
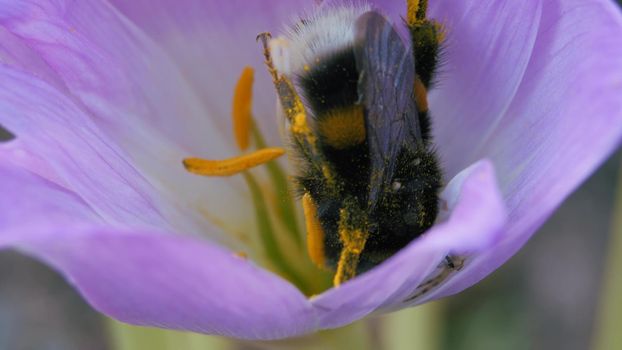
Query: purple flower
x=106, y=98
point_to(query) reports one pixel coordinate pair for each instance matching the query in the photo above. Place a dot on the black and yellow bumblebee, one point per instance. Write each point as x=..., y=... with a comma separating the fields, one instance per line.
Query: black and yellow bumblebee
x=353, y=96
x=360, y=131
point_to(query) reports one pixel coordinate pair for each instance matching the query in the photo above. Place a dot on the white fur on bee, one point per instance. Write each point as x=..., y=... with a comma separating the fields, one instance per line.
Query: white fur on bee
x=317, y=36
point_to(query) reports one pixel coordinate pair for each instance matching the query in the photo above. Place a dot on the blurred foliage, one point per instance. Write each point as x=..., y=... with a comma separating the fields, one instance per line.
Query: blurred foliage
x=547, y=295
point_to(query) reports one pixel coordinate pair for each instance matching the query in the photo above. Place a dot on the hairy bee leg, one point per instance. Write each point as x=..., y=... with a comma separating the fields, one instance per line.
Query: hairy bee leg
x=415, y=11
x=421, y=100
x=290, y=100
x=426, y=36
x=353, y=245
x=353, y=235
x=295, y=112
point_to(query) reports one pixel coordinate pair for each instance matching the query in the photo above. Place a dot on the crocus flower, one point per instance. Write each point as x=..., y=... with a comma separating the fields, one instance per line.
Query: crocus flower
x=105, y=98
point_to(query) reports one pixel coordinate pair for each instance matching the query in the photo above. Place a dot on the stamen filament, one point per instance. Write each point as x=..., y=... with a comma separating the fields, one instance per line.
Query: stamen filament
x=241, y=111
x=232, y=166
x=266, y=231
x=285, y=207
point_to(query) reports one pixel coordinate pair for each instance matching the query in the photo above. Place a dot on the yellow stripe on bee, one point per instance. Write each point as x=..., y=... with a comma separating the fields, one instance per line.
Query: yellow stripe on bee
x=343, y=127
x=241, y=111
x=315, y=233
x=421, y=96
x=232, y=166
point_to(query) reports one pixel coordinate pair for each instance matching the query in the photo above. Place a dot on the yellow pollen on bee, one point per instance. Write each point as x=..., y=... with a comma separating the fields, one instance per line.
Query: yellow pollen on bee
x=353, y=241
x=353, y=245
x=232, y=166
x=241, y=111
x=315, y=233
x=415, y=11
x=299, y=124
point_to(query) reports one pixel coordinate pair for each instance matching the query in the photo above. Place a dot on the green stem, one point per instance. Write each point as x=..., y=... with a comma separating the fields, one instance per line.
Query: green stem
x=354, y=336
x=609, y=318
x=266, y=232
x=414, y=328
x=285, y=204
x=127, y=337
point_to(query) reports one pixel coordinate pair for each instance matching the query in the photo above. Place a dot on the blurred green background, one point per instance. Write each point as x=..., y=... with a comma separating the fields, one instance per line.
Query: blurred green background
x=548, y=296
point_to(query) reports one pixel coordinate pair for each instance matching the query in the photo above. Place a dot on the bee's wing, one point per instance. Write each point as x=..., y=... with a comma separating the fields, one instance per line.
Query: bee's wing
x=386, y=89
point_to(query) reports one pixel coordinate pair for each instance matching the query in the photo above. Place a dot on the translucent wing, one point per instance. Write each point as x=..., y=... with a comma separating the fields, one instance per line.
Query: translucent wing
x=386, y=90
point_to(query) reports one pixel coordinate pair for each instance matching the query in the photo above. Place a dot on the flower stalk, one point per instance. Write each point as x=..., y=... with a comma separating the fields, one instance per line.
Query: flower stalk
x=607, y=333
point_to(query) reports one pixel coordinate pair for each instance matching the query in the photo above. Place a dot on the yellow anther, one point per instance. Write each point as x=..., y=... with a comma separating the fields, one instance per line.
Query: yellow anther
x=415, y=11
x=232, y=166
x=241, y=111
x=315, y=233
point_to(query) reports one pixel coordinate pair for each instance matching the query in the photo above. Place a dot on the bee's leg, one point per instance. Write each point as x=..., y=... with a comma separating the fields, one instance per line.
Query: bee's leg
x=296, y=114
x=242, y=126
x=426, y=37
x=315, y=233
x=353, y=235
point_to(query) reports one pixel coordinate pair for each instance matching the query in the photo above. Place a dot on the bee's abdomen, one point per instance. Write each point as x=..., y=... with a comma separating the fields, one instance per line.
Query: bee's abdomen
x=330, y=88
x=331, y=83
x=342, y=128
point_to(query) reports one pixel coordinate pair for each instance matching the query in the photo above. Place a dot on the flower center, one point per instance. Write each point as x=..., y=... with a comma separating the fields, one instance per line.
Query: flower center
x=276, y=220
x=355, y=146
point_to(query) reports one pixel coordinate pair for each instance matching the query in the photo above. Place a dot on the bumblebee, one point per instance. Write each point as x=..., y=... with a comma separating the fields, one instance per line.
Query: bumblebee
x=360, y=131
x=354, y=100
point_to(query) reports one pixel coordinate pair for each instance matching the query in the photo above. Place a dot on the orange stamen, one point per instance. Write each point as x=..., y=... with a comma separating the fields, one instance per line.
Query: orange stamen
x=315, y=233
x=241, y=112
x=232, y=166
